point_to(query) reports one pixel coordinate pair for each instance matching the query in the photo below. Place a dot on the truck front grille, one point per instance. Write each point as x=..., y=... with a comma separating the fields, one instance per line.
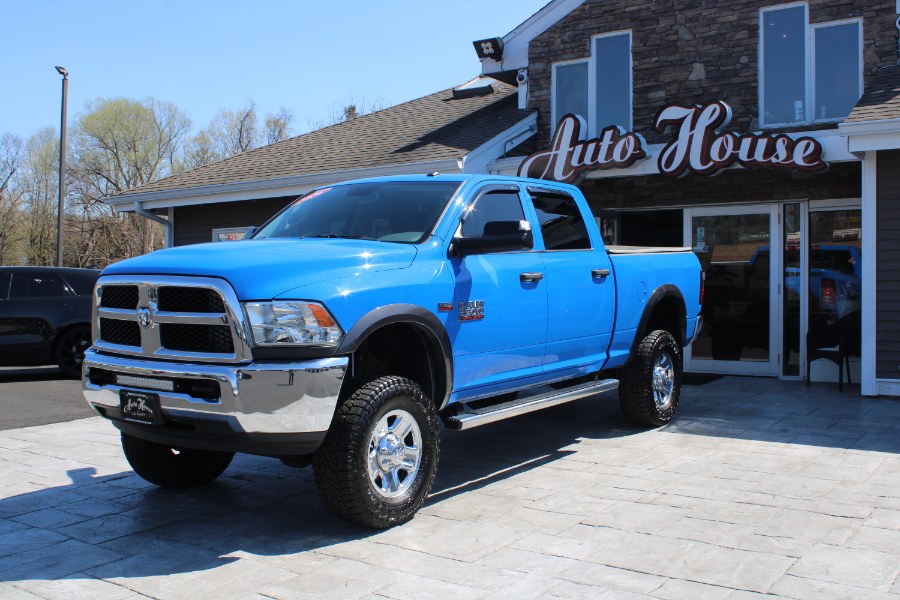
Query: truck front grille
x=124, y=333
x=190, y=299
x=119, y=296
x=196, y=338
x=195, y=318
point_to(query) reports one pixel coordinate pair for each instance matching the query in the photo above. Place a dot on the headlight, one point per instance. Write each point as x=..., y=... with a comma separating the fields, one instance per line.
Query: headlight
x=292, y=323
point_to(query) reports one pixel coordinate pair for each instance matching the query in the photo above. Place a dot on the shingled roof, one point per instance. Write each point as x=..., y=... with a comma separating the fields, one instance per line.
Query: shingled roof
x=881, y=100
x=441, y=126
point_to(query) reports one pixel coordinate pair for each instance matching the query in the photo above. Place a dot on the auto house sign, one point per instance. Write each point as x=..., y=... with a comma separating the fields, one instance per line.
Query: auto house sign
x=699, y=145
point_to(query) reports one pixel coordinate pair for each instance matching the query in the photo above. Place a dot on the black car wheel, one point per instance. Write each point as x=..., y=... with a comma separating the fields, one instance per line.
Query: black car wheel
x=70, y=349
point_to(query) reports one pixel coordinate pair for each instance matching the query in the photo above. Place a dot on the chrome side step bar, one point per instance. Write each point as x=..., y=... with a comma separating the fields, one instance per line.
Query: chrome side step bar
x=473, y=417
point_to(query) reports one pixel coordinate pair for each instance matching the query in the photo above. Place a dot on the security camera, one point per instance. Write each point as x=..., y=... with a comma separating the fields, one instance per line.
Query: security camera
x=522, y=76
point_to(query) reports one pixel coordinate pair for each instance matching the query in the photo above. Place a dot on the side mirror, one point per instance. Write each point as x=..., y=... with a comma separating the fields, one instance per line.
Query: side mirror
x=249, y=233
x=499, y=236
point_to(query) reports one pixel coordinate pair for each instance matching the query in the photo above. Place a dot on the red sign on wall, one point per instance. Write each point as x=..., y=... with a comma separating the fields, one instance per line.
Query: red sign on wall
x=699, y=147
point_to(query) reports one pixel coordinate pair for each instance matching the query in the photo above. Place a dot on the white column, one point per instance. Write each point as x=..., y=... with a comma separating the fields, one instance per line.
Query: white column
x=869, y=302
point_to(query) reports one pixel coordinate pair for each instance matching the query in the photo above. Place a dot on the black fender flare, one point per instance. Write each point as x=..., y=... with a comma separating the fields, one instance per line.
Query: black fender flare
x=434, y=332
x=659, y=294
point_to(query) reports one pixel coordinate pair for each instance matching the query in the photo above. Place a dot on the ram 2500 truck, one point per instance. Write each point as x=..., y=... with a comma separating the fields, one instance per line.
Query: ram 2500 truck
x=366, y=311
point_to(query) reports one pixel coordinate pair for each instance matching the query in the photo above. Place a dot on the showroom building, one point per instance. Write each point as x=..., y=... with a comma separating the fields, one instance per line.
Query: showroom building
x=765, y=136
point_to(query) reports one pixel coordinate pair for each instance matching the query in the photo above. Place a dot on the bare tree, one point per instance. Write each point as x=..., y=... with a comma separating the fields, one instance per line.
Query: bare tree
x=278, y=125
x=350, y=108
x=234, y=131
x=11, y=157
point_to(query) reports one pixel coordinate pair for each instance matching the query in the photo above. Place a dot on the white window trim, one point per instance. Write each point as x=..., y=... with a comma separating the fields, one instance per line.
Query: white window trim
x=760, y=60
x=590, y=118
x=554, y=117
x=812, y=67
x=809, y=66
x=593, y=126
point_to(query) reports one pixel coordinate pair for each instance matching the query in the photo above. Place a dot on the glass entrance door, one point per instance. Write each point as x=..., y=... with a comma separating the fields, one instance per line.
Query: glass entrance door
x=739, y=250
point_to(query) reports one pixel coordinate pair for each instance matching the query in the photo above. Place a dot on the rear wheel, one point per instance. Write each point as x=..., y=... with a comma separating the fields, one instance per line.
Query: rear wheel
x=70, y=347
x=379, y=459
x=174, y=467
x=651, y=383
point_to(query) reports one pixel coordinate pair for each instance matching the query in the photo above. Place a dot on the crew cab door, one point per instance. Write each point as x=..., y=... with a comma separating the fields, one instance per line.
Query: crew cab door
x=498, y=322
x=581, y=292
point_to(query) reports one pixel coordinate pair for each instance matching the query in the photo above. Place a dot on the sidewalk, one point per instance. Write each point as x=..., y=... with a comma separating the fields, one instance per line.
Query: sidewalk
x=759, y=487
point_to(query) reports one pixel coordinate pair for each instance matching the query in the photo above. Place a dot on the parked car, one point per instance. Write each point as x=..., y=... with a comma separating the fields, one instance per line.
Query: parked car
x=367, y=310
x=45, y=316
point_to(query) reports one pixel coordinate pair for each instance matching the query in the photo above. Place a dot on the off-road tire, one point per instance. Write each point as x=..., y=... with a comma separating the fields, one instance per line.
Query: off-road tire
x=68, y=353
x=341, y=465
x=173, y=467
x=636, y=391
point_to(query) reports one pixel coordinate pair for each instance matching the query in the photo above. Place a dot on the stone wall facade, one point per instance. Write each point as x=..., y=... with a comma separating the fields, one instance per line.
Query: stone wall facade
x=692, y=51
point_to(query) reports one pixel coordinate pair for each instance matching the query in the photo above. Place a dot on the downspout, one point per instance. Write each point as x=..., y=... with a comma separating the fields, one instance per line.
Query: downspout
x=168, y=234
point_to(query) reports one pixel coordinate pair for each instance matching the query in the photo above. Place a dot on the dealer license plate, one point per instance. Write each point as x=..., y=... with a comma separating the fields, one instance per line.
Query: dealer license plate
x=140, y=407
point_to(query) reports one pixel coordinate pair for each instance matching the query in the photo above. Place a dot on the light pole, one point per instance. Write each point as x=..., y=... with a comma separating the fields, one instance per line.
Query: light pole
x=62, y=166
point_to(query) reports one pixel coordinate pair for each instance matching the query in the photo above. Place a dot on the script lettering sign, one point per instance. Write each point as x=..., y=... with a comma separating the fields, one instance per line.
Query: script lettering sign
x=568, y=158
x=701, y=148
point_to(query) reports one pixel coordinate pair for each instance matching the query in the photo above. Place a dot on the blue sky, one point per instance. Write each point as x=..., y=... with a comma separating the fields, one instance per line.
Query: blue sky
x=307, y=55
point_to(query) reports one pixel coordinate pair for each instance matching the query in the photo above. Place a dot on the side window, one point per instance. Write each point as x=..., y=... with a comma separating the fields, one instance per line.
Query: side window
x=37, y=285
x=82, y=284
x=561, y=222
x=4, y=285
x=494, y=213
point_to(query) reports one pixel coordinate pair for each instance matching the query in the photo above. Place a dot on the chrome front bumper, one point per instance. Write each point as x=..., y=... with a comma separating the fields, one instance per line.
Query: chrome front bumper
x=281, y=402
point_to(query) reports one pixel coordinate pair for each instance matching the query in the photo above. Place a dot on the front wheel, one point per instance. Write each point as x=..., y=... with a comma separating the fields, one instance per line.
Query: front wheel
x=379, y=459
x=173, y=467
x=651, y=383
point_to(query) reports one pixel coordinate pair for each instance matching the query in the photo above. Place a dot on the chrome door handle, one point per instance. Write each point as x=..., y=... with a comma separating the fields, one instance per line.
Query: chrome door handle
x=530, y=277
x=599, y=273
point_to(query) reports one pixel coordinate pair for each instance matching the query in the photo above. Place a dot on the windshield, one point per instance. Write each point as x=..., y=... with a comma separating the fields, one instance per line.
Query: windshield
x=398, y=211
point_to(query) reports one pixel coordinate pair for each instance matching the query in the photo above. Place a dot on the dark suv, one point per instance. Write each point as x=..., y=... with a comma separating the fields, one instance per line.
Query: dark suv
x=45, y=316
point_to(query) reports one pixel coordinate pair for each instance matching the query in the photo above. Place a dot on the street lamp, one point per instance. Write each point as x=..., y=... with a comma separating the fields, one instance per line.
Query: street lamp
x=62, y=166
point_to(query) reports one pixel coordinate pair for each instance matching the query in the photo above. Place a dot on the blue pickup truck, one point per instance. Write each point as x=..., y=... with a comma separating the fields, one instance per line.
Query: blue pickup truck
x=365, y=312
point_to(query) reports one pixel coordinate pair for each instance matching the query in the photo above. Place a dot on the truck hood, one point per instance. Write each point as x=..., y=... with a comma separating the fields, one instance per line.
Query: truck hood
x=263, y=269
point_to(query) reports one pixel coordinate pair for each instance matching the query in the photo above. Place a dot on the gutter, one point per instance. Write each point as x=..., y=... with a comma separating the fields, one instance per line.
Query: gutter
x=168, y=233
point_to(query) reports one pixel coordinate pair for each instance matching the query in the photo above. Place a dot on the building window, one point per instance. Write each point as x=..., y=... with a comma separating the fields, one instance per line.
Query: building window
x=838, y=66
x=612, y=81
x=597, y=89
x=807, y=73
x=570, y=87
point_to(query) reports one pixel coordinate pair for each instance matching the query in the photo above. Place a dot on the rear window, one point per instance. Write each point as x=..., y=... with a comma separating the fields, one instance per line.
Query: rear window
x=832, y=260
x=82, y=283
x=37, y=285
